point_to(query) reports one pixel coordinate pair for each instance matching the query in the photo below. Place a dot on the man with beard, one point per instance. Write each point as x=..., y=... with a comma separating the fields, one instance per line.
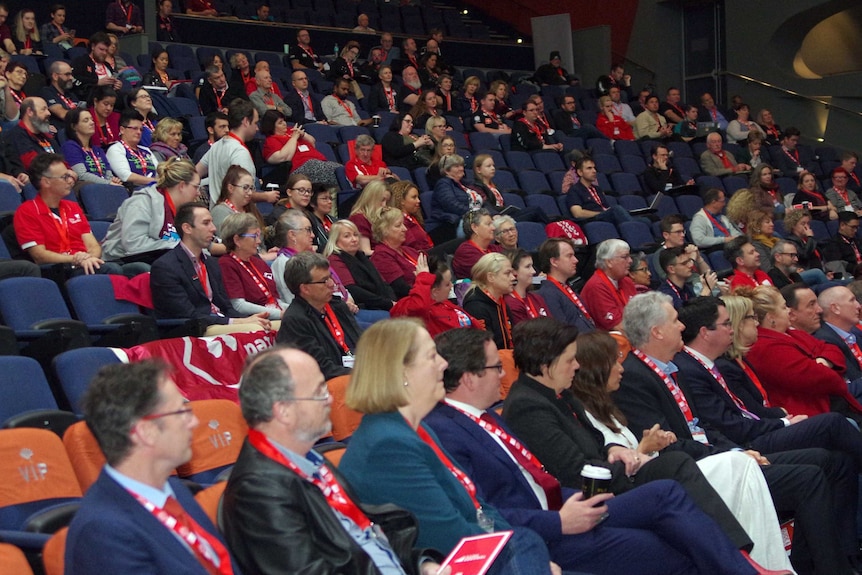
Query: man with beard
x=785, y=264
x=32, y=135
x=412, y=88
x=91, y=70
x=57, y=94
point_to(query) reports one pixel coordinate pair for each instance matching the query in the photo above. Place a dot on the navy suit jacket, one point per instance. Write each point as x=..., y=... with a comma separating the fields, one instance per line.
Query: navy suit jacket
x=829, y=335
x=742, y=386
x=561, y=307
x=177, y=292
x=716, y=408
x=387, y=462
x=498, y=479
x=113, y=533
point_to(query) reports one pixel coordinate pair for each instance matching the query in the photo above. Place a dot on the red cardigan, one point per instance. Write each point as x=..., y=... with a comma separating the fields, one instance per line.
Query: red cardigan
x=438, y=316
x=786, y=366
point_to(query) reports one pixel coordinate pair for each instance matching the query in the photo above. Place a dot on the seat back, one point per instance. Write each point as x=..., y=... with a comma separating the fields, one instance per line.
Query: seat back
x=216, y=442
x=84, y=453
x=510, y=372
x=13, y=561
x=344, y=419
x=333, y=452
x=548, y=162
x=93, y=299
x=600, y=231
x=53, y=554
x=77, y=367
x=37, y=475
x=530, y=235
x=210, y=500
x=26, y=301
x=23, y=387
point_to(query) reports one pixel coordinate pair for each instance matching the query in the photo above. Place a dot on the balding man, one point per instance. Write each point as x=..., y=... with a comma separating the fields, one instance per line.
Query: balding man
x=716, y=161
x=840, y=316
x=390, y=52
x=264, y=97
x=58, y=93
x=303, y=102
x=286, y=510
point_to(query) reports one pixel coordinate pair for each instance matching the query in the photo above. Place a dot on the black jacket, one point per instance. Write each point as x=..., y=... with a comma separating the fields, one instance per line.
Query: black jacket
x=277, y=522
x=369, y=291
x=303, y=326
x=479, y=305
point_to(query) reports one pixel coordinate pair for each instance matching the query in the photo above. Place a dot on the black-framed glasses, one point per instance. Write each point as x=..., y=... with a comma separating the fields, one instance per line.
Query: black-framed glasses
x=727, y=324
x=302, y=191
x=326, y=280
x=794, y=255
x=497, y=366
x=643, y=269
x=66, y=177
x=186, y=412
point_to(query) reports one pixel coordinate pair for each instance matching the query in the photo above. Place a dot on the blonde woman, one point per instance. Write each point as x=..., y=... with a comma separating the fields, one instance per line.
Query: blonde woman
x=374, y=197
x=493, y=278
x=168, y=140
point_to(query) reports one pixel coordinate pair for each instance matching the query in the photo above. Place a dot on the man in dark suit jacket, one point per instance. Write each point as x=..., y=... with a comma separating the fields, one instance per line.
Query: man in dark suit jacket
x=277, y=515
x=300, y=97
x=565, y=119
x=790, y=159
x=526, y=495
x=126, y=521
x=648, y=394
x=556, y=258
x=186, y=283
x=840, y=316
x=316, y=322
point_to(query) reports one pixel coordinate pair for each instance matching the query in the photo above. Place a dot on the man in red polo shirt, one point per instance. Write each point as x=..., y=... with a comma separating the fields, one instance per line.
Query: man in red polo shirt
x=364, y=168
x=54, y=230
x=608, y=290
x=745, y=261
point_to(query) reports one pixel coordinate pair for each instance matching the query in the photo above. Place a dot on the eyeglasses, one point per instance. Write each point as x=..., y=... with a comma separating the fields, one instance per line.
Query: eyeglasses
x=66, y=177
x=186, y=411
x=725, y=324
x=302, y=191
x=324, y=396
x=497, y=366
x=644, y=269
x=507, y=231
x=144, y=96
x=255, y=236
x=244, y=187
x=793, y=255
x=687, y=262
x=134, y=128
x=308, y=230
x=327, y=280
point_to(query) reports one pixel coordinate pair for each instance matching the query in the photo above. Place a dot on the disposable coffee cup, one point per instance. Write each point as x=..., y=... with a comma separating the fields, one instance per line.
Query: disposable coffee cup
x=376, y=120
x=595, y=480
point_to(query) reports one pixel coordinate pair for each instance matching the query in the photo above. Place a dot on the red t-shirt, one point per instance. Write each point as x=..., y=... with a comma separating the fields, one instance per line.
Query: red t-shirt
x=742, y=279
x=355, y=168
x=304, y=150
x=35, y=225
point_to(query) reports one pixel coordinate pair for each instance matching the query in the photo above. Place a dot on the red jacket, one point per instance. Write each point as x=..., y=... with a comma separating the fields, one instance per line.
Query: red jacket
x=787, y=367
x=438, y=316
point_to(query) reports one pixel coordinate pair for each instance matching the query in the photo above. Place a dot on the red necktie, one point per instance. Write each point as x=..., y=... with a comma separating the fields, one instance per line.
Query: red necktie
x=173, y=507
x=545, y=480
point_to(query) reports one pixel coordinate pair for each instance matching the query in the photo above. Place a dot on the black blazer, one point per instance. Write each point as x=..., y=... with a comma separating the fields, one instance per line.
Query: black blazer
x=303, y=326
x=268, y=508
x=557, y=431
x=178, y=293
x=743, y=388
x=369, y=291
x=376, y=100
x=827, y=334
x=479, y=305
x=716, y=408
x=297, y=110
x=645, y=401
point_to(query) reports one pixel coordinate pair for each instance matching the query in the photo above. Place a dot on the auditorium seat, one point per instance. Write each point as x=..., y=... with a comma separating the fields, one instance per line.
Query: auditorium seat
x=53, y=554
x=344, y=419
x=26, y=399
x=84, y=453
x=216, y=441
x=75, y=369
x=210, y=500
x=13, y=561
x=530, y=235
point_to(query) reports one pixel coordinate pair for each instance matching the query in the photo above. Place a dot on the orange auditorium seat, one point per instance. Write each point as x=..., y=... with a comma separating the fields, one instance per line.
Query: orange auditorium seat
x=84, y=453
x=13, y=561
x=210, y=499
x=344, y=420
x=511, y=372
x=53, y=554
x=216, y=441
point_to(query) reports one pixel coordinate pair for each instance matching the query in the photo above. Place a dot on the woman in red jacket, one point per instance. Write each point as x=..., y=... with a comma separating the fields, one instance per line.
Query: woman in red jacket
x=799, y=372
x=429, y=301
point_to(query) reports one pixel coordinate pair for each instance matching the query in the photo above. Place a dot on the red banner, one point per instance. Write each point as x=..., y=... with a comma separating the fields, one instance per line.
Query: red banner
x=206, y=367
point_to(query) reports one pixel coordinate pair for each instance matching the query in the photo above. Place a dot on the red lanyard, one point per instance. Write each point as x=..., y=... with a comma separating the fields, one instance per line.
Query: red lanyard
x=259, y=280
x=462, y=478
x=109, y=139
x=616, y=290
x=343, y=105
x=219, y=98
x=793, y=156
x=69, y=103
x=678, y=293
x=474, y=105
x=716, y=223
x=773, y=131
x=390, y=98
x=306, y=100
x=503, y=318
x=28, y=43
x=448, y=96
x=566, y=289
x=59, y=28
x=97, y=161
x=498, y=197
x=323, y=479
x=474, y=197
x=126, y=13
x=843, y=194
x=61, y=223
x=852, y=244
x=142, y=160
x=349, y=67
x=308, y=51
x=416, y=223
x=675, y=391
x=754, y=379
x=528, y=305
x=232, y=207
x=18, y=96
x=413, y=262
x=713, y=371
x=857, y=353
x=238, y=139
x=596, y=197
x=533, y=128
x=149, y=124
x=725, y=161
x=202, y=274
x=714, y=113
x=482, y=251
x=335, y=329
x=206, y=548
x=679, y=111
